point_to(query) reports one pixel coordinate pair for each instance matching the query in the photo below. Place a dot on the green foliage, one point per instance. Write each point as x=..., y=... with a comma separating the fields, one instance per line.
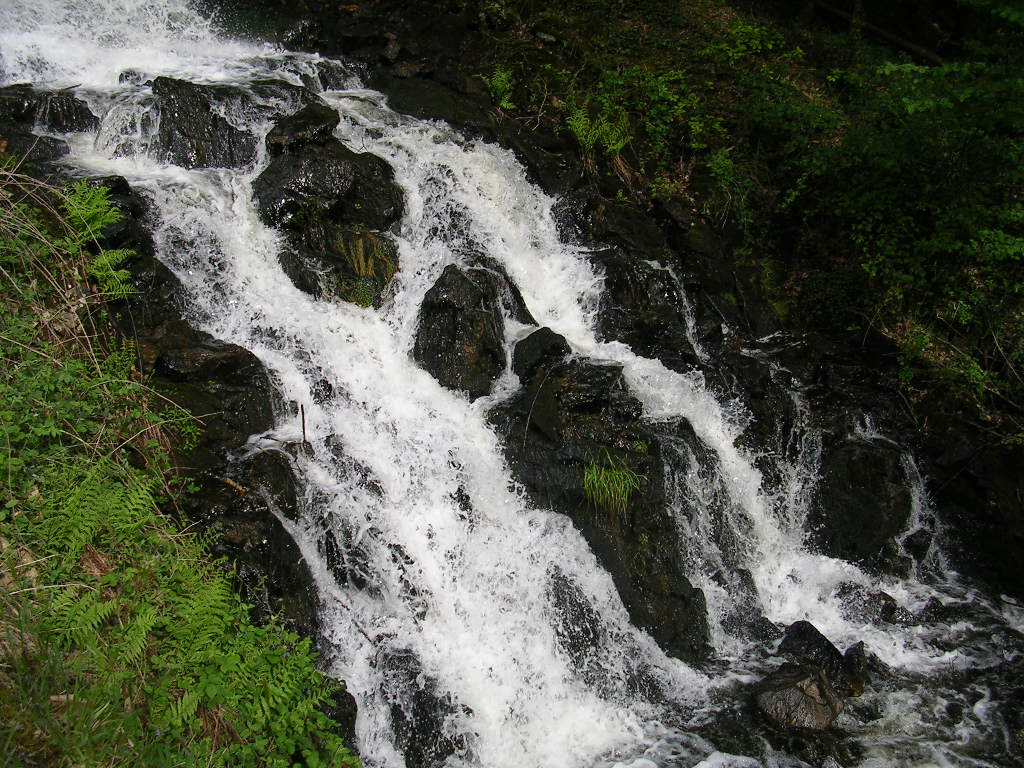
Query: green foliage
x=610, y=135
x=747, y=39
x=610, y=483
x=659, y=102
x=876, y=188
x=87, y=211
x=733, y=192
x=121, y=643
x=500, y=85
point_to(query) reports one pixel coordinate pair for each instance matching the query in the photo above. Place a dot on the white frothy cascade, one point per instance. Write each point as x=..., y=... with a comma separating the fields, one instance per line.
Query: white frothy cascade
x=466, y=594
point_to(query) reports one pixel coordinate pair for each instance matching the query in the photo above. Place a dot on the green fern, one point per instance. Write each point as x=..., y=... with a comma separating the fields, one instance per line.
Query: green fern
x=113, y=283
x=88, y=210
x=134, y=640
x=78, y=617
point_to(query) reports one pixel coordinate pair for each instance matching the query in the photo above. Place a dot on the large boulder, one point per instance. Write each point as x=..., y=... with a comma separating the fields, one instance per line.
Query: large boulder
x=460, y=338
x=59, y=112
x=642, y=304
x=804, y=644
x=191, y=130
x=798, y=697
x=862, y=503
x=574, y=440
x=272, y=574
x=313, y=125
x=309, y=184
x=25, y=110
x=333, y=206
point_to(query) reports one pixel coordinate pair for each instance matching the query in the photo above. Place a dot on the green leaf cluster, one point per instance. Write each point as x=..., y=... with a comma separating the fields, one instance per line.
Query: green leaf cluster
x=610, y=483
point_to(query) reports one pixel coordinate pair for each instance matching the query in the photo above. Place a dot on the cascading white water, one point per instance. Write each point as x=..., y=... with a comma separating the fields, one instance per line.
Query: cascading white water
x=466, y=593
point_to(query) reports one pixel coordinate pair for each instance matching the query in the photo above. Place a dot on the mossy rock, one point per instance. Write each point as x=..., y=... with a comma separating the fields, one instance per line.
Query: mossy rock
x=352, y=264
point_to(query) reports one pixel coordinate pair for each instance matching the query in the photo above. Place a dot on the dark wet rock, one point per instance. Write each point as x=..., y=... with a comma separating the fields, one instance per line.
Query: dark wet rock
x=420, y=712
x=574, y=418
x=495, y=281
x=977, y=488
x=872, y=607
x=21, y=110
x=63, y=113
x=798, y=697
x=460, y=335
x=342, y=709
x=56, y=111
x=345, y=556
x=314, y=183
x=271, y=572
x=333, y=205
x=804, y=644
x=856, y=668
x=642, y=307
x=313, y=125
x=543, y=347
x=18, y=104
x=862, y=503
x=192, y=133
x=764, y=630
x=577, y=624
x=355, y=265
x=35, y=149
x=222, y=384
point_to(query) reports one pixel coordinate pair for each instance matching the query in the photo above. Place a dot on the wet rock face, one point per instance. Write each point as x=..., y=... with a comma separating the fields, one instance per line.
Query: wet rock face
x=847, y=674
x=191, y=131
x=23, y=110
x=460, y=338
x=333, y=206
x=978, y=489
x=419, y=722
x=796, y=696
x=641, y=305
x=272, y=575
x=309, y=180
x=862, y=504
x=228, y=390
x=60, y=112
x=573, y=430
x=312, y=125
x=222, y=383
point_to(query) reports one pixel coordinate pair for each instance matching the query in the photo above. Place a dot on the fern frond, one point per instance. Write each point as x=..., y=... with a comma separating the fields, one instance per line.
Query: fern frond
x=77, y=620
x=183, y=710
x=133, y=641
x=113, y=283
x=88, y=211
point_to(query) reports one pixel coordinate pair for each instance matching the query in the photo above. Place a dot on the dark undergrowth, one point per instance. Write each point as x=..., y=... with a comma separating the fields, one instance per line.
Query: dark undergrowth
x=865, y=155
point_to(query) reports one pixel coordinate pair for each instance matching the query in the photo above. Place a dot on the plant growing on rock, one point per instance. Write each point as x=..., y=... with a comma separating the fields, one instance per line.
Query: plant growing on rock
x=610, y=483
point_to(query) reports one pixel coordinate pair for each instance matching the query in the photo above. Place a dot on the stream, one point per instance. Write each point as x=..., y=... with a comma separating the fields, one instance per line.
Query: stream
x=455, y=612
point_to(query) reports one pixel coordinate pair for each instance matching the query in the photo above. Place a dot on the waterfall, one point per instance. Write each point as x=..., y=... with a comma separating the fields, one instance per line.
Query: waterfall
x=458, y=603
